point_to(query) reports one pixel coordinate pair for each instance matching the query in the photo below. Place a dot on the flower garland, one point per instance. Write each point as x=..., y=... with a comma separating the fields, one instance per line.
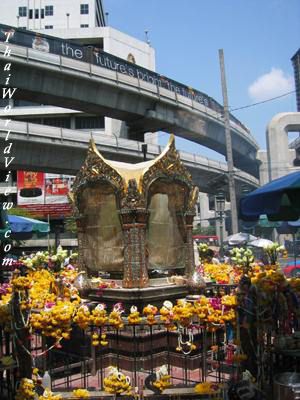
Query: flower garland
x=183, y=312
x=99, y=316
x=221, y=273
x=81, y=393
x=55, y=322
x=208, y=388
x=5, y=312
x=216, y=310
x=98, y=339
x=167, y=315
x=134, y=316
x=82, y=317
x=162, y=381
x=115, y=317
x=48, y=395
x=186, y=347
x=116, y=382
x=21, y=283
x=150, y=311
x=39, y=293
x=26, y=390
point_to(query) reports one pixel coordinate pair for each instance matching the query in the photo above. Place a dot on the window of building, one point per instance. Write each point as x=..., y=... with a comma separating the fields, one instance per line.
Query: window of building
x=25, y=103
x=89, y=122
x=84, y=8
x=42, y=13
x=48, y=26
x=84, y=25
x=36, y=13
x=59, y=122
x=22, y=11
x=30, y=14
x=48, y=10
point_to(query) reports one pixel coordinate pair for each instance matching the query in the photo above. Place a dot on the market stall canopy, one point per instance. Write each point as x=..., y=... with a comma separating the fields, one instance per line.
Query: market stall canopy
x=261, y=242
x=287, y=228
x=4, y=227
x=22, y=227
x=264, y=222
x=278, y=199
x=240, y=238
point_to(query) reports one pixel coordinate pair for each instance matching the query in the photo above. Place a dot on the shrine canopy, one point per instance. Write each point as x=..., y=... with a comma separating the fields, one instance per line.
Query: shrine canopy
x=278, y=199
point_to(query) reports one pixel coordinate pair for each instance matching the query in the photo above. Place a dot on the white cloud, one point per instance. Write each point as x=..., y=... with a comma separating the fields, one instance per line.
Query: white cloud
x=269, y=85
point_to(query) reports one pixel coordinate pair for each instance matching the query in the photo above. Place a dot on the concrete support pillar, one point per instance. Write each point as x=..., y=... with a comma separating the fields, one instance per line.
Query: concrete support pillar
x=277, y=143
x=204, y=209
x=72, y=122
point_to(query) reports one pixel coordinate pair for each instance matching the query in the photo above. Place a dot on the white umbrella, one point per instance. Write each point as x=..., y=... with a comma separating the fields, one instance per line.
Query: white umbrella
x=261, y=242
x=239, y=238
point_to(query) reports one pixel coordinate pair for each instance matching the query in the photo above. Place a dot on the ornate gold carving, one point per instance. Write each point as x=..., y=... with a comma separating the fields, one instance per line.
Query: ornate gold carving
x=96, y=168
x=133, y=198
x=193, y=197
x=131, y=187
x=167, y=165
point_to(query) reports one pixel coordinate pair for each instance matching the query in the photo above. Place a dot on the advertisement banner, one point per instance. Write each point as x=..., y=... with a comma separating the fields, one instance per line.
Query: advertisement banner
x=57, y=188
x=44, y=194
x=31, y=187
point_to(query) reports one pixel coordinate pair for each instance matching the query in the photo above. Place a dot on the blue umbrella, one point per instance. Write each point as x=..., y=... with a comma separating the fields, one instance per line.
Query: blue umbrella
x=22, y=227
x=279, y=200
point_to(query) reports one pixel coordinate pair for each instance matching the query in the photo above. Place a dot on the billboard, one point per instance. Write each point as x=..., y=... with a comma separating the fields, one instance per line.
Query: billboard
x=44, y=194
x=31, y=187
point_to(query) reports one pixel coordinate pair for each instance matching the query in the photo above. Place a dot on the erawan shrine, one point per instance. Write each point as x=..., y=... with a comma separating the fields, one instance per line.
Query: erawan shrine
x=141, y=311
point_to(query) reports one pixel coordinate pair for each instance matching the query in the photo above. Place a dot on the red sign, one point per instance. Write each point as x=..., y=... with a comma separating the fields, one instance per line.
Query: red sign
x=44, y=194
x=31, y=187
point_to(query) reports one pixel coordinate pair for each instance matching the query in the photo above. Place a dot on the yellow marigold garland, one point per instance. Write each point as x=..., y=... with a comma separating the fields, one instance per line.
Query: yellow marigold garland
x=183, y=312
x=162, y=383
x=81, y=393
x=82, y=317
x=25, y=390
x=56, y=322
x=150, y=311
x=207, y=388
x=117, y=383
x=134, y=316
x=48, y=395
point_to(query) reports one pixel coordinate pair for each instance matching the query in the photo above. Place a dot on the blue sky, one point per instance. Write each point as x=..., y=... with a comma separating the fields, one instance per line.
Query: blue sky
x=258, y=37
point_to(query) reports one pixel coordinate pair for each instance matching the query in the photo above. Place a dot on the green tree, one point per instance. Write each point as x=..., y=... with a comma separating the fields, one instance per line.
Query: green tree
x=208, y=230
x=70, y=224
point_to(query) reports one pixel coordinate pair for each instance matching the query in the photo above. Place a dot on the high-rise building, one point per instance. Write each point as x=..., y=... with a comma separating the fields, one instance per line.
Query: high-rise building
x=83, y=22
x=296, y=64
x=52, y=14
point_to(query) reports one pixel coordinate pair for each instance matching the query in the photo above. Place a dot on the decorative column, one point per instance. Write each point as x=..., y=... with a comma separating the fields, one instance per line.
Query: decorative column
x=135, y=273
x=82, y=241
x=189, y=260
